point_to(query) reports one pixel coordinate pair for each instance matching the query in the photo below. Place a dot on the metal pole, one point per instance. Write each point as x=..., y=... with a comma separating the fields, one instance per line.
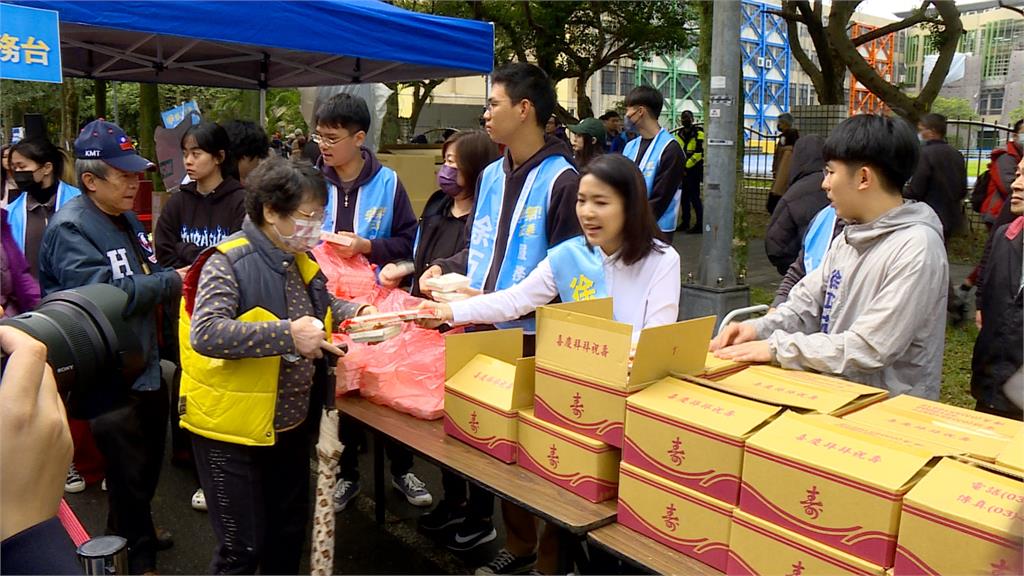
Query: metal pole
x=716, y=267
x=113, y=85
x=263, y=108
x=716, y=293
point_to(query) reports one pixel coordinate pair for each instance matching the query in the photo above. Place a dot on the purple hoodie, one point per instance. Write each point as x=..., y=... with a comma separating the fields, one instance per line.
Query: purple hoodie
x=19, y=291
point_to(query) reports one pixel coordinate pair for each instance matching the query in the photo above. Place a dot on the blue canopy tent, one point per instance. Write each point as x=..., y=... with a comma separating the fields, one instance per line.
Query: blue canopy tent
x=259, y=44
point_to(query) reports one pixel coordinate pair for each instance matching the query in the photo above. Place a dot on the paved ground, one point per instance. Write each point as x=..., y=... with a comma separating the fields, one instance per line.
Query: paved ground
x=362, y=547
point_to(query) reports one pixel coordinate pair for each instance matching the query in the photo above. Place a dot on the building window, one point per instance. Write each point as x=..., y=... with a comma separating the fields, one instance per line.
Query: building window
x=990, y=101
x=968, y=41
x=688, y=86
x=609, y=74
x=1001, y=39
x=913, y=49
x=627, y=79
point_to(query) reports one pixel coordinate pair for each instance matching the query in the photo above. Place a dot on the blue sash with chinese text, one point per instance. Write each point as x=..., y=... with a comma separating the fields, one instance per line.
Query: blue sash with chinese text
x=649, y=168
x=818, y=238
x=17, y=211
x=375, y=206
x=578, y=270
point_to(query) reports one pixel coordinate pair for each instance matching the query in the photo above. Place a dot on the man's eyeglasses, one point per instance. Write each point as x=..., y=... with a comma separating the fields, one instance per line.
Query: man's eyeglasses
x=325, y=142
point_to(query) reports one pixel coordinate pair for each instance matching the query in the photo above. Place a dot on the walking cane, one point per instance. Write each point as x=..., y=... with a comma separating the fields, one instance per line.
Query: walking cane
x=328, y=451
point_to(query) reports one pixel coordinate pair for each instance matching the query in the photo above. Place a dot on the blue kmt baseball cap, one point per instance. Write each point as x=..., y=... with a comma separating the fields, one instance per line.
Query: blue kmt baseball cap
x=102, y=140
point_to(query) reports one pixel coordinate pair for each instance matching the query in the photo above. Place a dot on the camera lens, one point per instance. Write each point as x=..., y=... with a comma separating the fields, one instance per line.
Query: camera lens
x=94, y=354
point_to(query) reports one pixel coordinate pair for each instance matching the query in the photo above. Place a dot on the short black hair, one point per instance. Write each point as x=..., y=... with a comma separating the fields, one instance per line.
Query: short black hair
x=247, y=139
x=935, y=122
x=647, y=97
x=213, y=139
x=609, y=114
x=343, y=110
x=889, y=145
x=525, y=81
x=282, y=185
x=1017, y=125
x=639, y=229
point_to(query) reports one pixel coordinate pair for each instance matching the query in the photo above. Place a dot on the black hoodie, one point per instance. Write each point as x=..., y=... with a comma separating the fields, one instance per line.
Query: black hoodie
x=398, y=246
x=561, y=221
x=191, y=221
x=801, y=203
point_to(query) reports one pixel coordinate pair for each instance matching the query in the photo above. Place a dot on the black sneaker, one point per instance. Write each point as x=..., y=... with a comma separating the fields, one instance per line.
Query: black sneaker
x=441, y=517
x=506, y=563
x=471, y=534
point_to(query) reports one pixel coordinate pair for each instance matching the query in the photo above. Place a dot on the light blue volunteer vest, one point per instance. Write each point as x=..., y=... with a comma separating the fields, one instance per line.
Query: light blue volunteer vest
x=649, y=167
x=528, y=239
x=818, y=238
x=17, y=211
x=578, y=270
x=375, y=206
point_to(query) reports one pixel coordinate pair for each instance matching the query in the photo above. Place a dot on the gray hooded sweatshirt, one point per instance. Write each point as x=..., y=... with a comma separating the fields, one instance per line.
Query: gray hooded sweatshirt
x=874, y=312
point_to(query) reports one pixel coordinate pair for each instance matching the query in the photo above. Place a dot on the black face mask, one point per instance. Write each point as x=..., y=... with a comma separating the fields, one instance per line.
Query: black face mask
x=26, y=182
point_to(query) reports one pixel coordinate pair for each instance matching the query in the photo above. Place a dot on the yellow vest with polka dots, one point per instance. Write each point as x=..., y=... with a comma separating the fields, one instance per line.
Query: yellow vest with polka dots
x=235, y=400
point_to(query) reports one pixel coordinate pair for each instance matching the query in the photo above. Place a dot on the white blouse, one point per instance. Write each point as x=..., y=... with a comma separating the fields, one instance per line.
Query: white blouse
x=645, y=294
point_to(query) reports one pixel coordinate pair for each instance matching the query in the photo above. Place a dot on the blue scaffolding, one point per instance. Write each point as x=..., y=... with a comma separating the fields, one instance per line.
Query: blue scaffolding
x=765, y=55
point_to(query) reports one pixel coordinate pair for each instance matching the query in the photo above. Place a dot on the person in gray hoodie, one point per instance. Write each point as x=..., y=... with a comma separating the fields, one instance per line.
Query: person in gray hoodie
x=874, y=311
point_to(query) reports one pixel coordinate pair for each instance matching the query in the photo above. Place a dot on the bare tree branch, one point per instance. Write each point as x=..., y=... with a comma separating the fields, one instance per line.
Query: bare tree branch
x=1011, y=8
x=919, y=16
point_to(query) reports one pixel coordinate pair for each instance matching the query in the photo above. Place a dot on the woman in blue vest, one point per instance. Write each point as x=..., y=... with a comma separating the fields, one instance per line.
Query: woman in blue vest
x=37, y=165
x=619, y=255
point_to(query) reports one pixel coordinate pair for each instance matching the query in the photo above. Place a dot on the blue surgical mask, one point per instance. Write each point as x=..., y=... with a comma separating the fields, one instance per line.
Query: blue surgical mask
x=629, y=124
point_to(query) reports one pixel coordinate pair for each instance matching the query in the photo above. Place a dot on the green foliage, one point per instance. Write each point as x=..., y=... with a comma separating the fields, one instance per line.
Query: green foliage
x=1017, y=113
x=958, y=108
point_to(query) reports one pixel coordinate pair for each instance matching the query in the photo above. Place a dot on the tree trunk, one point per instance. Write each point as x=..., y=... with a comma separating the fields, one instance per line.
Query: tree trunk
x=584, y=107
x=101, y=98
x=149, y=119
x=704, y=57
x=69, y=112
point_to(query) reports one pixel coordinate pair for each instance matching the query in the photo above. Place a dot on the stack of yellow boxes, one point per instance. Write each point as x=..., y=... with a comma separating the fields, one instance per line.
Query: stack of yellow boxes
x=585, y=371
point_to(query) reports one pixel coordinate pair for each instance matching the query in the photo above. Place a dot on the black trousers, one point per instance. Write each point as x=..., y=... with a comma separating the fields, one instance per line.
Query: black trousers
x=131, y=439
x=479, y=503
x=691, y=198
x=258, y=499
x=352, y=436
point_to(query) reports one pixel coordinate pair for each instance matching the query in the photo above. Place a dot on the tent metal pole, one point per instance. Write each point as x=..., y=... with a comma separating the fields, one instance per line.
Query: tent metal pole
x=264, y=68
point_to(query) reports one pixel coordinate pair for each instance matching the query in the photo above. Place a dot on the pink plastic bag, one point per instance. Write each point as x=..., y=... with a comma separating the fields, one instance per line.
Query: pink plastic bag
x=405, y=373
x=351, y=279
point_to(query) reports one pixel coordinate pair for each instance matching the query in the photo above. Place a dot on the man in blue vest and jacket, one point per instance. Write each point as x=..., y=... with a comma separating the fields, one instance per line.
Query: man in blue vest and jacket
x=657, y=154
x=94, y=239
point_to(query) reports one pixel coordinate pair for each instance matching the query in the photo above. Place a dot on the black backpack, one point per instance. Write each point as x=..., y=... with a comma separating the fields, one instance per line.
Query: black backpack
x=980, y=191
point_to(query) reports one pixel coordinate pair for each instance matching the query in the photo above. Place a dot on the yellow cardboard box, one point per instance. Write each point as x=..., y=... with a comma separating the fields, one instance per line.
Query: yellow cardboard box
x=692, y=435
x=981, y=435
x=757, y=547
x=486, y=384
x=583, y=364
x=715, y=368
x=676, y=516
x=1012, y=455
x=832, y=483
x=961, y=519
x=800, y=390
x=581, y=465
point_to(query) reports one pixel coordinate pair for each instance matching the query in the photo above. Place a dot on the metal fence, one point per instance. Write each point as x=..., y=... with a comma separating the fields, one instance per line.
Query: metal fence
x=975, y=140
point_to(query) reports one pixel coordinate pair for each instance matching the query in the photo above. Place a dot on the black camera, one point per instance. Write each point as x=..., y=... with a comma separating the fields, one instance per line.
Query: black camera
x=94, y=353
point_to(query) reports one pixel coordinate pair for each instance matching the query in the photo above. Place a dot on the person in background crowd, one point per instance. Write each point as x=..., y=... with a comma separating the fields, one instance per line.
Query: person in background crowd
x=587, y=139
x=788, y=135
x=249, y=146
x=996, y=377
x=35, y=452
x=367, y=203
x=201, y=214
x=8, y=188
x=280, y=146
x=537, y=179
x=299, y=148
x=19, y=291
x=441, y=234
x=658, y=154
x=940, y=181
x=803, y=200
x=868, y=312
x=691, y=140
x=554, y=128
x=36, y=165
x=817, y=239
x=256, y=318
x=94, y=239
x=616, y=137
x=1000, y=174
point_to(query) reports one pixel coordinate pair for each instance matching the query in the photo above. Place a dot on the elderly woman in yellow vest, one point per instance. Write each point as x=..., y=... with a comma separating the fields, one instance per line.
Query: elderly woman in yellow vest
x=618, y=255
x=254, y=327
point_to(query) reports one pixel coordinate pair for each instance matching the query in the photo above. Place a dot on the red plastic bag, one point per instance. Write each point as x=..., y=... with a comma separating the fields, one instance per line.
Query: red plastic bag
x=351, y=279
x=405, y=373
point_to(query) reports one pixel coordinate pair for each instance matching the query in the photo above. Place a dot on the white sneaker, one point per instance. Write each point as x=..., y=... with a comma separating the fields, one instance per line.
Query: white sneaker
x=199, y=500
x=74, y=483
x=414, y=489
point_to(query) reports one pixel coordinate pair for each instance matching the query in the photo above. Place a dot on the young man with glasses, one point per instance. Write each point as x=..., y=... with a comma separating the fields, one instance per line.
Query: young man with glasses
x=525, y=204
x=657, y=154
x=872, y=311
x=94, y=239
x=367, y=203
